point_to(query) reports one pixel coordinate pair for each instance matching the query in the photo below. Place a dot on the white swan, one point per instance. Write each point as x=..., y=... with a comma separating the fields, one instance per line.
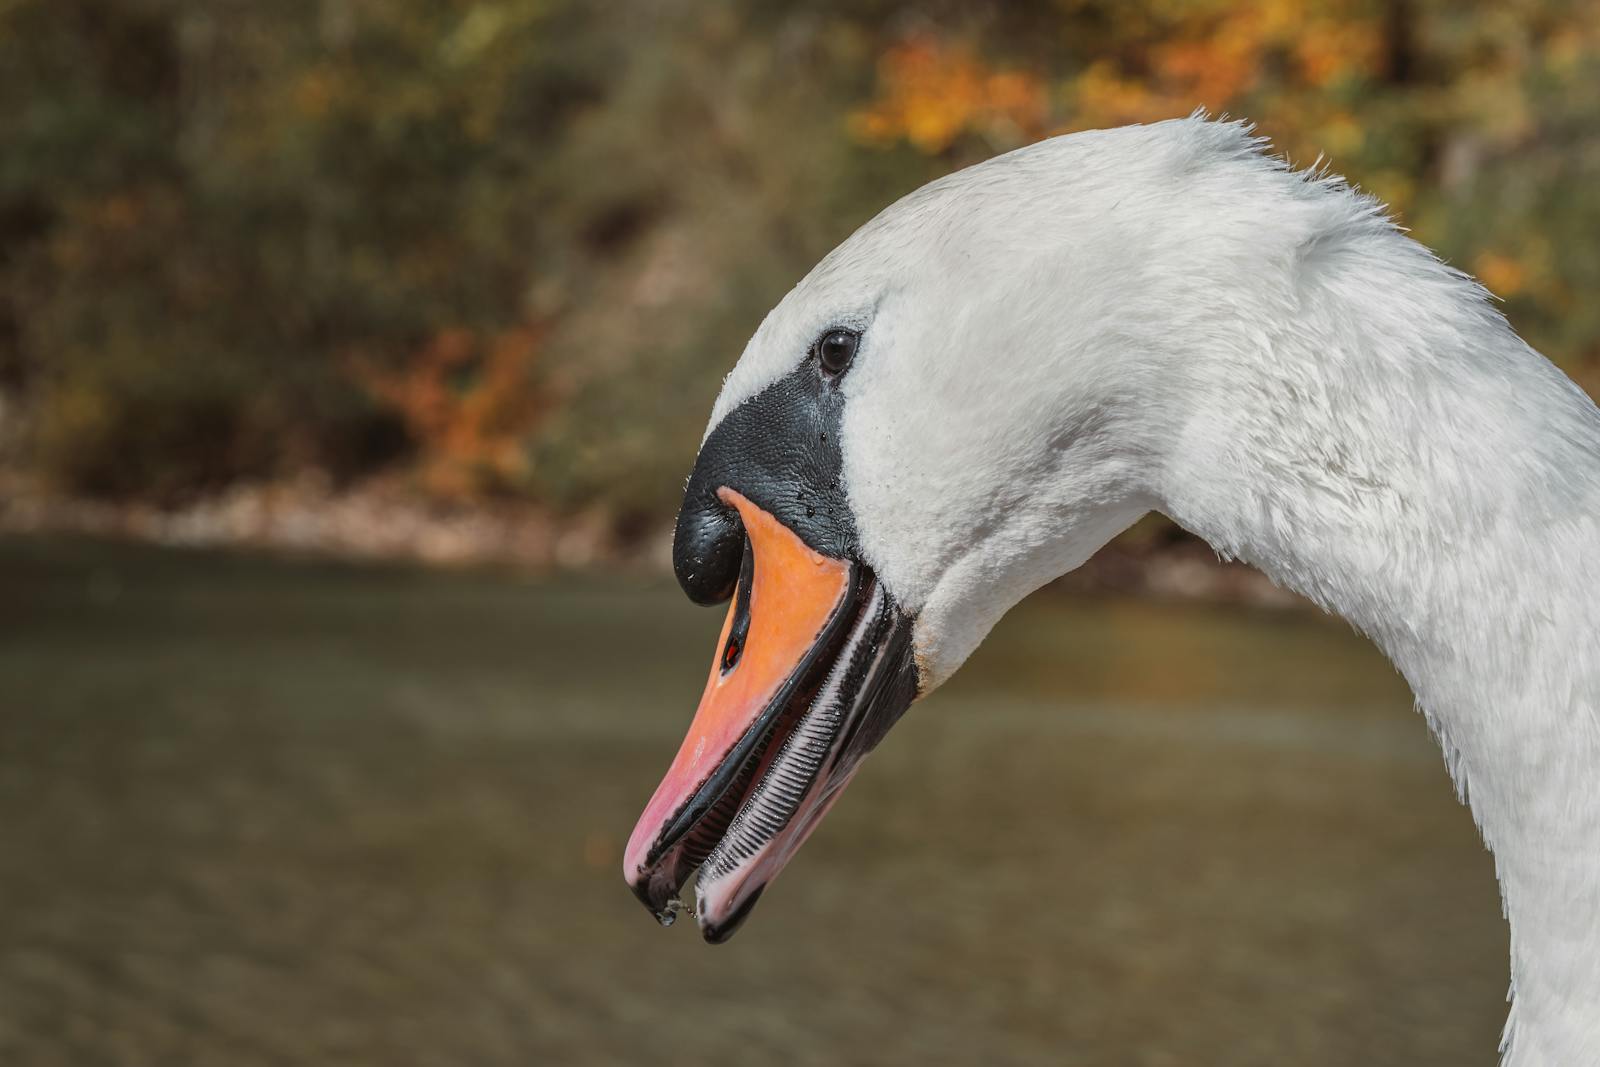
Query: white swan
x=1003, y=370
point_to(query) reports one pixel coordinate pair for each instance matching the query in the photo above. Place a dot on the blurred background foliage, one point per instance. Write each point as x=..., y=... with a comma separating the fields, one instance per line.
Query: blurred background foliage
x=507, y=248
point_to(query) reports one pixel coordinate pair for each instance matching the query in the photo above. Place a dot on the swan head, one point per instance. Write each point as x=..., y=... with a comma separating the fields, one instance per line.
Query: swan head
x=963, y=401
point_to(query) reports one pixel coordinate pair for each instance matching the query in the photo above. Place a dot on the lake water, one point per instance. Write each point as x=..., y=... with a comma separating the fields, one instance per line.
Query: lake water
x=276, y=812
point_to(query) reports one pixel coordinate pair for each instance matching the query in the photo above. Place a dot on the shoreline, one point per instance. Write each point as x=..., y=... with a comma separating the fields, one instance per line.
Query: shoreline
x=381, y=521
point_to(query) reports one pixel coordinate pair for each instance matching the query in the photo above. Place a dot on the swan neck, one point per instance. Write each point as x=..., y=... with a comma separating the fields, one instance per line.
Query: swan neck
x=1404, y=460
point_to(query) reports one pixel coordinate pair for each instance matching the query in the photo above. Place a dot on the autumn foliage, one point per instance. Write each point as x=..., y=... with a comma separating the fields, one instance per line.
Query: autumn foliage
x=1474, y=122
x=470, y=403
x=511, y=246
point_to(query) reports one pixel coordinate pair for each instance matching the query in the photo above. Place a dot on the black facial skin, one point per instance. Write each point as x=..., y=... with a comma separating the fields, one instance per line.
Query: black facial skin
x=780, y=449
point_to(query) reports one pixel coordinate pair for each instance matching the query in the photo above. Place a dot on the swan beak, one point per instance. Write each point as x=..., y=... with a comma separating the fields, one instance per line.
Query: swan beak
x=812, y=666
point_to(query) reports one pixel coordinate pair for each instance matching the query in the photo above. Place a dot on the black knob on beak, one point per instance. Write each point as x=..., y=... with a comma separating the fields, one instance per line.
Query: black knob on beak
x=708, y=544
x=780, y=449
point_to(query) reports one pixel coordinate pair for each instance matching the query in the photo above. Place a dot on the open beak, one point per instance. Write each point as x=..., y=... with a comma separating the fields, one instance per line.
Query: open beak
x=813, y=666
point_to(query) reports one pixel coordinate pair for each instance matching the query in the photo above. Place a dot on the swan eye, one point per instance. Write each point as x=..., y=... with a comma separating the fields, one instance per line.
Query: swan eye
x=835, y=350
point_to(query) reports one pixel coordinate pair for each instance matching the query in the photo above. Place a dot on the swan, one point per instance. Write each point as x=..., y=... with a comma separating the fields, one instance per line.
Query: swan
x=1004, y=369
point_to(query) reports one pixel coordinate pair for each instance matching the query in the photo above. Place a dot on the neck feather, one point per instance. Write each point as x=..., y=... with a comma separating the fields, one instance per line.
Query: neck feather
x=1395, y=453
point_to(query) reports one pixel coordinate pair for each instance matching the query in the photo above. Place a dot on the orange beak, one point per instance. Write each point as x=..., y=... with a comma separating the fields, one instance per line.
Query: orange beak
x=788, y=598
x=813, y=666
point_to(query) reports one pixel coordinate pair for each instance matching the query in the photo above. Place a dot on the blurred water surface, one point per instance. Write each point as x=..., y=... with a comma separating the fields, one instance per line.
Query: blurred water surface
x=274, y=812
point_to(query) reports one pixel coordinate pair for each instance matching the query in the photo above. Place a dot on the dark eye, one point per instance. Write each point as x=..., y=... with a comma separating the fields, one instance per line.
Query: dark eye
x=836, y=349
